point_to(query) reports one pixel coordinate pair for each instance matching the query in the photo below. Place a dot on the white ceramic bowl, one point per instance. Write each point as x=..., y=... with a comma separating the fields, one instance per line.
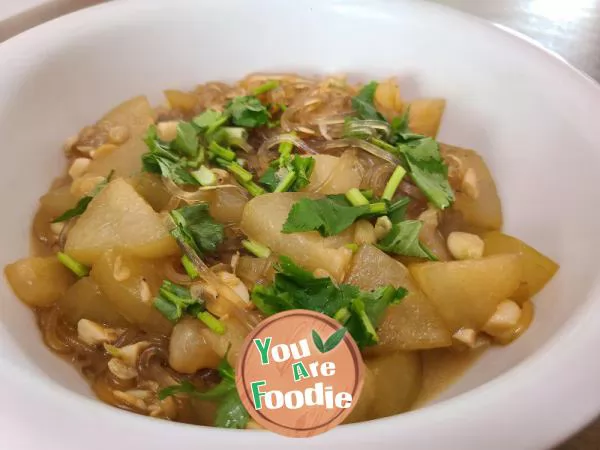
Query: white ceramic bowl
x=533, y=117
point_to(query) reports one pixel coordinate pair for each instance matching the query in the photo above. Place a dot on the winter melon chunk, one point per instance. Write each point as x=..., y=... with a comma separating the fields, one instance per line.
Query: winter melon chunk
x=538, y=269
x=39, y=281
x=130, y=285
x=119, y=218
x=466, y=293
x=414, y=324
x=136, y=114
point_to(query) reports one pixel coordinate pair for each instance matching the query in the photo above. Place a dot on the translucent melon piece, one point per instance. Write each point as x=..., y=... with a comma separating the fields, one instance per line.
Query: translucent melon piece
x=484, y=211
x=391, y=385
x=189, y=350
x=57, y=201
x=412, y=324
x=125, y=160
x=130, y=285
x=85, y=300
x=119, y=218
x=136, y=114
x=227, y=205
x=426, y=115
x=39, y=281
x=151, y=187
x=263, y=219
x=335, y=175
x=466, y=293
x=537, y=268
x=181, y=100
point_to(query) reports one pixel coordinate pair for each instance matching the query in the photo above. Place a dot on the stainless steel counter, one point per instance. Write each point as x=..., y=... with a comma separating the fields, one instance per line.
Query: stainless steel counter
x=570, y=28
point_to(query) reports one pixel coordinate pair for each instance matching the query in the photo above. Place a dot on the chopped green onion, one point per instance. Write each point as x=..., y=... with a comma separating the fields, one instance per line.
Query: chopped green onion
x=368, y=193
x=253, y=189
x=359, y=308
x=355, y=197
x=230, y=136
x=221, y=152
x=210, y=120
x=285, y=148
x=73, y=265
x=266, y=87
x=378, y=208
x=212, y=322
x=173, y=300
x=195, y=163
x=233, y=167
x=195, y=308
x=393, y=183
x=234, y=134
x=189, y=267
x=242, y=162
x=383, y=145
x=286, y=182
x=205, y=176
x=186, y=142
x=175, y=293
x=256, y=249
x=352, y=246
x=342, y=315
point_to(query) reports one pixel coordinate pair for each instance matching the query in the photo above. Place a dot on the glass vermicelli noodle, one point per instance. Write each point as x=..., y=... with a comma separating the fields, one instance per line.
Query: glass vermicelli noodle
x=159, y=249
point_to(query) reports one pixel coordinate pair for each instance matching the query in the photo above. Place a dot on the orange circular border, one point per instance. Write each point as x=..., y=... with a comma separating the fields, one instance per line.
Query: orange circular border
x=267, y=422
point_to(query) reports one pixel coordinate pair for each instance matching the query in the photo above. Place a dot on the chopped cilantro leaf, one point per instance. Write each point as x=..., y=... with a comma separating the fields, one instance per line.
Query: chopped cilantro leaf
x=421, y=154
x=83, y=202
x=324, y=215
x=230, y=409
x=163, y=160
x=231, y=412
x=186, y=141
x=397, y=210
x=172, y=300
x=363, y=102
x=295, y=288
x=429, y=171
x=247, y=111
x=403, y=239
x=303, y=166
x=329, y=215
x=196, y=227
x=174, y=170
x=209, y=120
x=77, y=210
x=270, y=179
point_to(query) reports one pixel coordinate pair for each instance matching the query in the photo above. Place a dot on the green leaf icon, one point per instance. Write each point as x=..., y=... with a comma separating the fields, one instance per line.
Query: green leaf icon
x=331, y=342
x=318, y=341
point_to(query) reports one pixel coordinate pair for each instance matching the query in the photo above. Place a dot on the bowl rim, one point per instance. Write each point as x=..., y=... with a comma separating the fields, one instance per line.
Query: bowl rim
x=551, y=417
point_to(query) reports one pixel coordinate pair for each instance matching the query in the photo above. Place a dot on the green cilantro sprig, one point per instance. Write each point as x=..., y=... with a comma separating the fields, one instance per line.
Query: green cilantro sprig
x=174, y=301
x=295, y=288
x=84, y=201
x=403, y=239
x=421, y=154
x=211, y=131
x=332, y=214
x=230, y=410
x=288, y=172
x=195, y=226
